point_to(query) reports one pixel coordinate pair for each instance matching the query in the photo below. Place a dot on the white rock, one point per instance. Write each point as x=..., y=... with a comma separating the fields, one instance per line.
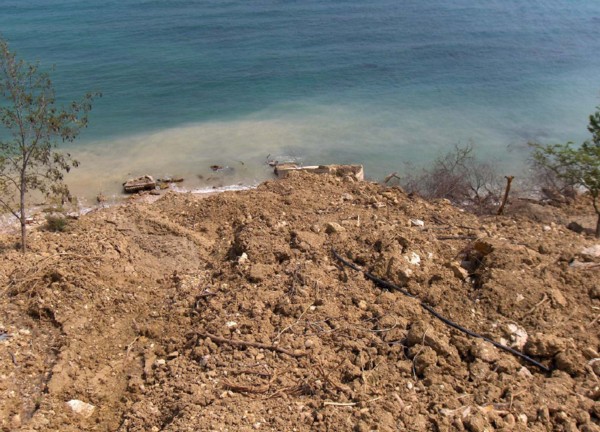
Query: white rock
x=334, y=227
x=243, y=258
x=417, y=223
x=413, y=258
x=547, y=228
x=518, y=336
x=84, y=409
x=524, y=372
x=592, y=251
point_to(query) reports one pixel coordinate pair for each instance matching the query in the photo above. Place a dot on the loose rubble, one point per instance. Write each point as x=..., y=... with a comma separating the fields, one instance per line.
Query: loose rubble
x=230, y=313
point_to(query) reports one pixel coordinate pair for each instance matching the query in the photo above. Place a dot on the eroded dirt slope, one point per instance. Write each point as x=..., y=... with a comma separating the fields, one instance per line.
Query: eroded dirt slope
x=231, y=313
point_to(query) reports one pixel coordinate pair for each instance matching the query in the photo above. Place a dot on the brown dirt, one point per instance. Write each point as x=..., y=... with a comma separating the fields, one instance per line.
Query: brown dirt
x=230, y=313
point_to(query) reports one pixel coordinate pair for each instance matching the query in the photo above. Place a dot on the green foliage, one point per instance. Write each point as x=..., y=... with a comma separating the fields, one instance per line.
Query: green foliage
x=56, y=223
x=594, y=126
x=31, y=126
x=576, y=165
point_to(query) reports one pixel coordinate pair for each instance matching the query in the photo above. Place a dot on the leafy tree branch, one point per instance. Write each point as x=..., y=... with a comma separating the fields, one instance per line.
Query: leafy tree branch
x=31, y=126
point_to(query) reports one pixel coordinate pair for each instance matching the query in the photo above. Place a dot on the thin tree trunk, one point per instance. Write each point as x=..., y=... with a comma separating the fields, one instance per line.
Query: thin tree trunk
x=23, y=218
x=595, y=198
x=509, y=180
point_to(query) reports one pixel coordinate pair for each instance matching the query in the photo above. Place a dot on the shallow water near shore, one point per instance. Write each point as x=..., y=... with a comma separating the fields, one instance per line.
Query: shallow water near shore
x=187, y=85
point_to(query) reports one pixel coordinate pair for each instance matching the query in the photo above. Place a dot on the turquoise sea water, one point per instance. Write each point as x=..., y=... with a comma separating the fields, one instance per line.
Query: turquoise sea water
x=188, y=84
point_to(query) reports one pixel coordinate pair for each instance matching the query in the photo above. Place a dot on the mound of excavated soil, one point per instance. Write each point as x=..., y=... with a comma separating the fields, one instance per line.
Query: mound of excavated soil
x=231, y=313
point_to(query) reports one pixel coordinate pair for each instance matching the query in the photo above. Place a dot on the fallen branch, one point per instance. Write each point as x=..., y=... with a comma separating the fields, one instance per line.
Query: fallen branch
x=349, y=404
x=246, y=389
x=458, y=237
x=537, y=305
x=346, y=404
x=236, y=342
x=391, y=176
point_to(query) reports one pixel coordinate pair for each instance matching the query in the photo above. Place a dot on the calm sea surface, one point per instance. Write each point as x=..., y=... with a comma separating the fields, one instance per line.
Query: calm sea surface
x=188, y=84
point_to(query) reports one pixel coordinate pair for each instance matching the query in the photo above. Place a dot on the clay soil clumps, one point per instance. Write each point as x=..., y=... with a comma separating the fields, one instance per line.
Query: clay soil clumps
x=231, y=313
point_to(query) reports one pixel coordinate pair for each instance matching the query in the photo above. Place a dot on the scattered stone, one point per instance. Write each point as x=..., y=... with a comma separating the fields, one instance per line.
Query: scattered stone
x=484, y=247
x=570, y=361
x=356, y=172
x=333, y=227
x=100, y=198
x=175, y=179
x=476, y=423
x=139, y=184
x=82, y=408
x=243, y=258
x=582, y=265
x=591, y=252
x=558, y=298
x=546, y=346
x=413, y=258
x=594, y=292
x=544, y=249
x=419, y=335
x=423, y=357
x=458, y=270
x=417, y=223
x=484, y=351
x=258, y=272
x=15, y=421
x=517, y=336
x=524, y=372
x=590, y=353
x=307, y=240
x=575, y=227
x=595, y=364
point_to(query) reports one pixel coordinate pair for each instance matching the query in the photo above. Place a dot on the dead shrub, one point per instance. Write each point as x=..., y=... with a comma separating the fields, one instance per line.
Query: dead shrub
x=459, y=177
